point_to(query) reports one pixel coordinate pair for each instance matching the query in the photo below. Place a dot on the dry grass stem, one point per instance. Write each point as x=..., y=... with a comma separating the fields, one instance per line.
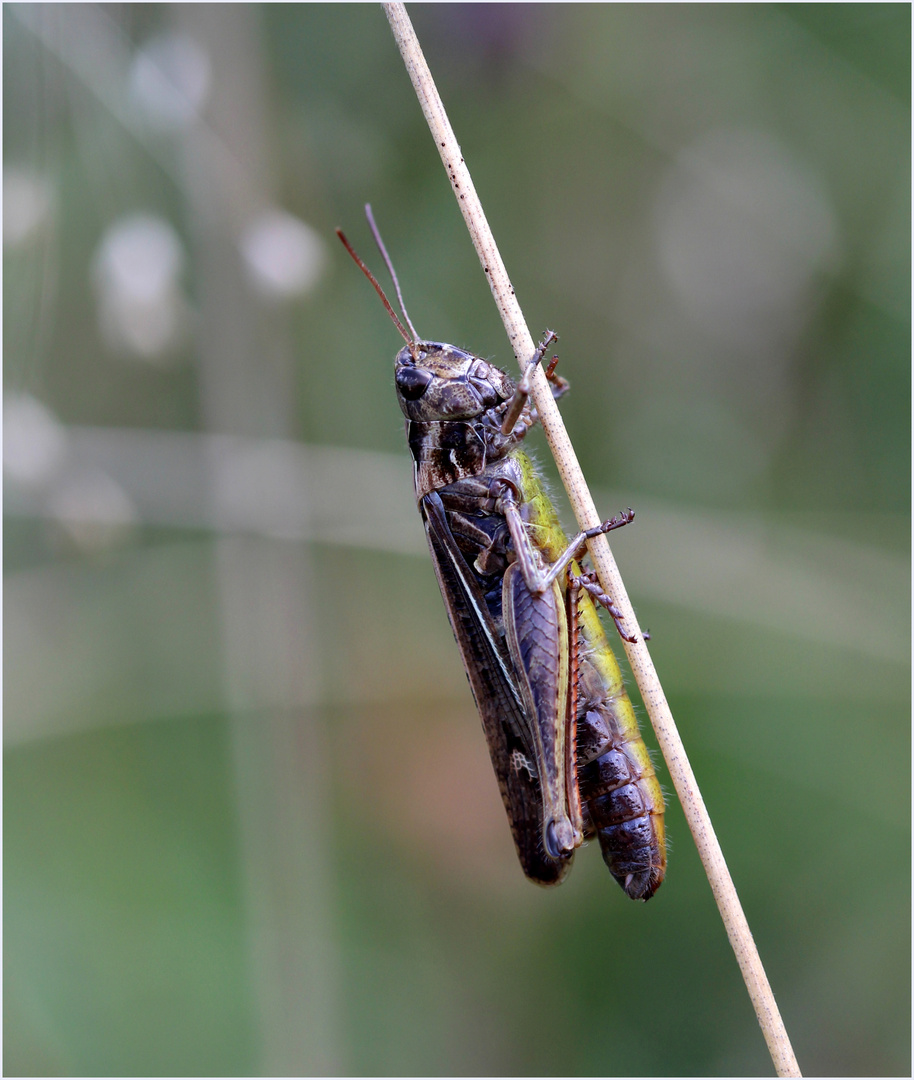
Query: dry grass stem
x=642, y=666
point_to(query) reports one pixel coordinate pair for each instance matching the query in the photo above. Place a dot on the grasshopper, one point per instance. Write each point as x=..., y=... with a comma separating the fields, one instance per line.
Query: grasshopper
x=561, y=730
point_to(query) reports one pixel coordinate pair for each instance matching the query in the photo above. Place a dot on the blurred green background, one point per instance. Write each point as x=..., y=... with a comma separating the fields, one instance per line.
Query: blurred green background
x=250, y=823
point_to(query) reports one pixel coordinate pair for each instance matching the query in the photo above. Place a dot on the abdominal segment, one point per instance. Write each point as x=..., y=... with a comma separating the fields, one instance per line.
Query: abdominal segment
x=621, y=798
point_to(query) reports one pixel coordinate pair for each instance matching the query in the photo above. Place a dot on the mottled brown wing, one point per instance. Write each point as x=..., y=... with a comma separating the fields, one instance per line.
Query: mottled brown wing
x=494, y=685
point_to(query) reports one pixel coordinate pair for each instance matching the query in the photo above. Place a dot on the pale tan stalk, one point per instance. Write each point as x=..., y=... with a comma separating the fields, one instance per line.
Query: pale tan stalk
x=642, y=666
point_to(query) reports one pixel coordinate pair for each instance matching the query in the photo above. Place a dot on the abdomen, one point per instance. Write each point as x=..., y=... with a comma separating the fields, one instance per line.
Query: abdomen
x=620, y=794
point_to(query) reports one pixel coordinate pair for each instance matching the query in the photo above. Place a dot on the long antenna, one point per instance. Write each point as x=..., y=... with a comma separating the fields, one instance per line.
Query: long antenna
x=410, y=341
x=376, y=233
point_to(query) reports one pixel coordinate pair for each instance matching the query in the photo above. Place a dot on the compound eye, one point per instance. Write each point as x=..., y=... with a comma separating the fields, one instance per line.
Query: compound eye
x=412, y=382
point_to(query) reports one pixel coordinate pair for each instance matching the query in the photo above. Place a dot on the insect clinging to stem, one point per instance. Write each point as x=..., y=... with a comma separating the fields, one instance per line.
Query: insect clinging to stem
x=561, y=730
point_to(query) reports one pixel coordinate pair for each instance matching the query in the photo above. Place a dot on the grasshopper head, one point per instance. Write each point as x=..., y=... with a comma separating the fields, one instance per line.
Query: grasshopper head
x=441, y=382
